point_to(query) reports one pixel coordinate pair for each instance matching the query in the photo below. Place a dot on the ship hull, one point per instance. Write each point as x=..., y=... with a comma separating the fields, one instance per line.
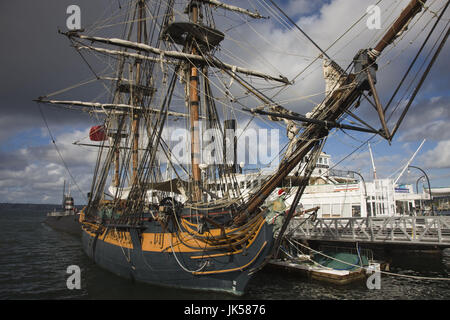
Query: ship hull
x=212, y=271
x=67, y=223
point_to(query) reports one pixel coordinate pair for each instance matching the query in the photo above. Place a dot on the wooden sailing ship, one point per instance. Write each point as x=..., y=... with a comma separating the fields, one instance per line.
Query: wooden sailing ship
x=207, y=242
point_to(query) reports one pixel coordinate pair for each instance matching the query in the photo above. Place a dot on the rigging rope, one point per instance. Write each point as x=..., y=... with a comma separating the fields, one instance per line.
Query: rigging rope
x=58, y=151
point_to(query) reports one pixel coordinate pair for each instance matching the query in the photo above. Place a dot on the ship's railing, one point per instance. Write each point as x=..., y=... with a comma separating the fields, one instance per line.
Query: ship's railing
x=433, y=230
x=340, y=173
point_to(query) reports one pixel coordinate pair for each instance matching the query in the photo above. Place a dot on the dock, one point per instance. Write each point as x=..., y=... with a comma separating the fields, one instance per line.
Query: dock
x=339, y=277
x=403, y=230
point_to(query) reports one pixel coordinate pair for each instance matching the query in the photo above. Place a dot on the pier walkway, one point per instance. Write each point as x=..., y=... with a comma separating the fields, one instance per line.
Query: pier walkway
x=419, y=230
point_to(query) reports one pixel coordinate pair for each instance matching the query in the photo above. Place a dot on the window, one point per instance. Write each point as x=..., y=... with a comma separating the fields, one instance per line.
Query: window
x=356, y=211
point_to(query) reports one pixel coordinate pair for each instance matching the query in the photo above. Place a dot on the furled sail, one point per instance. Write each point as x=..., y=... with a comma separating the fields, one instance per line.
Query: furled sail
x=178, y=55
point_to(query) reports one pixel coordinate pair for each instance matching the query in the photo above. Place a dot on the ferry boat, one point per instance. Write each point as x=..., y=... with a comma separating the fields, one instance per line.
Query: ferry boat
x=67, y=219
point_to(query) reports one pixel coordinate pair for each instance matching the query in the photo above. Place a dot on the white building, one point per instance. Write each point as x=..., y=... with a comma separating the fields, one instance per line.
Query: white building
x=381, y=198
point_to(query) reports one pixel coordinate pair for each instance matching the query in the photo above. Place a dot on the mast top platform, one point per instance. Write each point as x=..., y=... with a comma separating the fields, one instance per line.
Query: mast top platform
x=181, y=32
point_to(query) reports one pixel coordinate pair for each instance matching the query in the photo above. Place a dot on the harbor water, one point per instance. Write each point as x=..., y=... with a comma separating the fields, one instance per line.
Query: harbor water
x=34, y=260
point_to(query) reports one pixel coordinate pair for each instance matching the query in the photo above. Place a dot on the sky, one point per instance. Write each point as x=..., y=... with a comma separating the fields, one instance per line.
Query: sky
x=36, y=61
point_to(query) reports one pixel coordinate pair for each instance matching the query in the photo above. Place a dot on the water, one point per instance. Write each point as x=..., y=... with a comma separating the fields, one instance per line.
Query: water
x=34, y=260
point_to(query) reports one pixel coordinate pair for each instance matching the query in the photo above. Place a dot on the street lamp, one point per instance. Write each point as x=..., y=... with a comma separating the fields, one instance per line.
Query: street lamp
x=429, y=186
x=364, y=183
x=417, y=191
x=417, y=183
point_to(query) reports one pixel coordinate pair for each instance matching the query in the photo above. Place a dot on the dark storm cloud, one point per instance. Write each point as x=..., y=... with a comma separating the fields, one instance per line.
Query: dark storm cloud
x=12, y=161
x=37, y=60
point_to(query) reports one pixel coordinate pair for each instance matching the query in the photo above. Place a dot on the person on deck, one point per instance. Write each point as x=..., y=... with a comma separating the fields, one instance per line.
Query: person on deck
x=276, y=212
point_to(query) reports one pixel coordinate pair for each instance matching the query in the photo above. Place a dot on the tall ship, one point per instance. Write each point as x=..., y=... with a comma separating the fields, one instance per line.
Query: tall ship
x=160, y=221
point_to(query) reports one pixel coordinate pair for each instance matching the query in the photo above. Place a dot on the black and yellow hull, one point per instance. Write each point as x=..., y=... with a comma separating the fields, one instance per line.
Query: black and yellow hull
x=218, y=260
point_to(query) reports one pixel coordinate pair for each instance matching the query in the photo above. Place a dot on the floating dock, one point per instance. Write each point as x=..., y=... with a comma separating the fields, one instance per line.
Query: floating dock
x=314, y=271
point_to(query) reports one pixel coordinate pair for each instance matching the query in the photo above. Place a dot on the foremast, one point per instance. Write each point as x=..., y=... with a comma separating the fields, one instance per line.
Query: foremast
x=137, y=97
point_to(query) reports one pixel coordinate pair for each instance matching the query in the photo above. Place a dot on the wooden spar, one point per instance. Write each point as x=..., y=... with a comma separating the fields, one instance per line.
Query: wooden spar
x=298, y=117
x=233, y=8
x=414, y=7
x=124, y=54
x=177, y=55
x=378, y=105
x=104, y=107
x=194, y=118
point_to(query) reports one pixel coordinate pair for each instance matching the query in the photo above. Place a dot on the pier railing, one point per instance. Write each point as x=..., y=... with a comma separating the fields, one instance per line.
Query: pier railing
x=397, y=229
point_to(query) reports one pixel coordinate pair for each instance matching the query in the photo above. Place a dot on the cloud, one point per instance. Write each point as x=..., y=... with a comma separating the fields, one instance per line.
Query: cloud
x=439, y=157
x=41, y=61
x=428, y=118
x=271, y=48
x=37, y=173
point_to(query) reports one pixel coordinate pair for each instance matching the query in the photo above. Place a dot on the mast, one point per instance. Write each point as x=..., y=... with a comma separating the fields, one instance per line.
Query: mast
x=64, y=193
x=409, y=161
x=137, y=98
x=116, y=181
x=373, y=162
x=194, y=113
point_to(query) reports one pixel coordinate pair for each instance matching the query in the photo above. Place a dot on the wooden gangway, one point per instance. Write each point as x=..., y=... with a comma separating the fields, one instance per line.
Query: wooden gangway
x=433, y=230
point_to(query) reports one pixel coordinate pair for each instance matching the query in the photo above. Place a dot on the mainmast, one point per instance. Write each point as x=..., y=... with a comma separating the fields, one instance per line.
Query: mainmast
x=194, y=112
